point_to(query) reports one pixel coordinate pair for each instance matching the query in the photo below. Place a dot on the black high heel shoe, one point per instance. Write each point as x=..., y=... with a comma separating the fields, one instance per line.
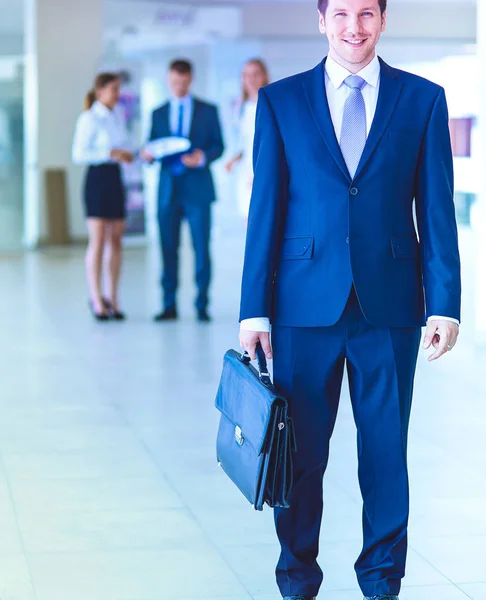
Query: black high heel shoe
x=97, y=316
x=114, y=314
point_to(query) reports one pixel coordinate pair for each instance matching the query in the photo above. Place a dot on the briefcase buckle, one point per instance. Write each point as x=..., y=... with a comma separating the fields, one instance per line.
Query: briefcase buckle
x=240, y=440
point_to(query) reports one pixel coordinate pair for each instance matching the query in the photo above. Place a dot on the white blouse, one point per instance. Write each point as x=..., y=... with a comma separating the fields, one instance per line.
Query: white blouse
x=245, y=166
x=99, y=130
x=247, y=132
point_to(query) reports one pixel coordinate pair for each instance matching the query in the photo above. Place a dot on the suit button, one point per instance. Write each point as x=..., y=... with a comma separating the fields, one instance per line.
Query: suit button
x=353, y=191
x=347, y=240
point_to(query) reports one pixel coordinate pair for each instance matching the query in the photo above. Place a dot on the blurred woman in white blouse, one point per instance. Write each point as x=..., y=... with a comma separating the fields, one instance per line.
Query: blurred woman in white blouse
x=253, y=77
x=101, y=143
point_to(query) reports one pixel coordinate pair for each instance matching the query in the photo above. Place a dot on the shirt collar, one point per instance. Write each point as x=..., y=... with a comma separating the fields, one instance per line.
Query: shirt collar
x=101, y=109
x=184, y=100
x=337, y=74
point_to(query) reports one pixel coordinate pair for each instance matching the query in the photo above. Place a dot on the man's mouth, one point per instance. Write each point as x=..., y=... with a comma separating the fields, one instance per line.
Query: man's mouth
x=355, y=43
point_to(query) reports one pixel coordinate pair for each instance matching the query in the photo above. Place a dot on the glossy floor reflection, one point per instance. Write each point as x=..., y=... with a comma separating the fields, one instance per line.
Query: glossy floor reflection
x=108, y=484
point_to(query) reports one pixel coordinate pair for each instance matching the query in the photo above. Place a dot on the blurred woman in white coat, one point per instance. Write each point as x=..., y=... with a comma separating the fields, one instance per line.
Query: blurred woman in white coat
x=253, y=77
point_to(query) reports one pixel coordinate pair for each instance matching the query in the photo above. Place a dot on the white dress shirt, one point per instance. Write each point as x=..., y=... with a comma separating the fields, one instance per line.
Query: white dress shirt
x=188, y=110
x=337, y=92
x=99, y=130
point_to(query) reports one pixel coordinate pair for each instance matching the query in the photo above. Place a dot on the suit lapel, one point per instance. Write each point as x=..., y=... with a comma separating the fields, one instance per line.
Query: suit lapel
x=390, y=89
x=165, y=120
x=315, y=91
x=195, y=110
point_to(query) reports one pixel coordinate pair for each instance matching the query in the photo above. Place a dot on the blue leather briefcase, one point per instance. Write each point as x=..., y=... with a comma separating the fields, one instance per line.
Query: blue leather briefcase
x=255, y=438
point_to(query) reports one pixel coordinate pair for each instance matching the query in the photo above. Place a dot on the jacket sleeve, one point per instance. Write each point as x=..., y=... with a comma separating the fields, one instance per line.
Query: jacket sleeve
x=215, y=147
x=268, y=209
x=436, y=221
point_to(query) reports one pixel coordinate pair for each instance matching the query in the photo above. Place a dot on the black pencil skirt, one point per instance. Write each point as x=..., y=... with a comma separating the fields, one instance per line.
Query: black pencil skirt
x=104, y=194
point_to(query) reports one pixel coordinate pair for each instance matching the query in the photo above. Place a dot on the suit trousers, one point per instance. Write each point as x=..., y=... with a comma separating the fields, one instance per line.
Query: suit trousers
x=198, y=216
x=308, y=369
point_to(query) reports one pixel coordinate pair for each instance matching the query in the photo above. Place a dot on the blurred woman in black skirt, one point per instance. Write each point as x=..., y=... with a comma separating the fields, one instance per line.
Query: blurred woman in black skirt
x=101, y=142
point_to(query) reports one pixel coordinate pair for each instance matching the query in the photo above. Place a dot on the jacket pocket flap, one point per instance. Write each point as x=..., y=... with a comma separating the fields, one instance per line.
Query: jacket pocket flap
x=298, y=247
x=404, y=246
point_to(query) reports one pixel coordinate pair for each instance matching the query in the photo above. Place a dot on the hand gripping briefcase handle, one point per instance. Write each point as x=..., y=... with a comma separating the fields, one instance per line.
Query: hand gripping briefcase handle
x=262, y=364
x=256, y=442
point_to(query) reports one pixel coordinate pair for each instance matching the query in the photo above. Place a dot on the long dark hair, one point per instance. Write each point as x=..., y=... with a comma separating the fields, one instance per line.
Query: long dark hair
x=101, y=80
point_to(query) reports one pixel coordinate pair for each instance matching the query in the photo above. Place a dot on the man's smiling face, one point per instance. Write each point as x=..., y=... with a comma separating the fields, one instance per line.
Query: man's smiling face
x=353, y=28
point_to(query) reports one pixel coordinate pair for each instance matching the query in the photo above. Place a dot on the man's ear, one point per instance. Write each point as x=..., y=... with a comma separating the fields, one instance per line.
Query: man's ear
x=383, y=22
x=322, y=22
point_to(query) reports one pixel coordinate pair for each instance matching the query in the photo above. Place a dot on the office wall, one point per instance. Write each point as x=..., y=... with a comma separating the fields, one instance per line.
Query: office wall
x=63, y=46
x=11, y=44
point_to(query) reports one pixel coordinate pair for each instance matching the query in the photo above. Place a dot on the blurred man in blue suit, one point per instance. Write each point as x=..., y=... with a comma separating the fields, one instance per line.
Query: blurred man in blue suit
x=344, y=154
x=186, y=188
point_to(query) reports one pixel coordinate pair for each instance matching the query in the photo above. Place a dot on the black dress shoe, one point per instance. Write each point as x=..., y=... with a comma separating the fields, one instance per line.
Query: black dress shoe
x=98, y=316
x=114, y=314
x=299, y=598
x=203, y=317
x=118, y=316
x=381, y=597
x=169, y=314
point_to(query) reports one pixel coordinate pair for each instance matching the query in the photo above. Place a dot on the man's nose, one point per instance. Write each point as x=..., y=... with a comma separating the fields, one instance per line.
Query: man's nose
x=354, y=25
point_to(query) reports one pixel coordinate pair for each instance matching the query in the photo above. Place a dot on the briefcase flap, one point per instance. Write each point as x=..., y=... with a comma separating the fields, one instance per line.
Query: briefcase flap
x=245, y=401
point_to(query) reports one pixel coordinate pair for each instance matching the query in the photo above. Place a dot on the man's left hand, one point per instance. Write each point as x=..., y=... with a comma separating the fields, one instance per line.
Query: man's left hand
x=442, y=335
x=194, y=159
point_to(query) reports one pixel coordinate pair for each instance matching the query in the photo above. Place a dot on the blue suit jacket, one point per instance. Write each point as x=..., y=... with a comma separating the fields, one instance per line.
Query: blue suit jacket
x=313, y=230
x=196, y=185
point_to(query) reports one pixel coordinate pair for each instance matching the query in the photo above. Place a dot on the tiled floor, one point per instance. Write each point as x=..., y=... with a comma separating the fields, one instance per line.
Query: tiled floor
x=108, y=484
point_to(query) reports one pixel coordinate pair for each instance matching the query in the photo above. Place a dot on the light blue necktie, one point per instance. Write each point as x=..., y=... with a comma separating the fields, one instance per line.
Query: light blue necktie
x=353, y=131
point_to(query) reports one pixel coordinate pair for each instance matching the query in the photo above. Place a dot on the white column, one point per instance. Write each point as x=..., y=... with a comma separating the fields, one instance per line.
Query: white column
x=478, y=215
x=63, y=45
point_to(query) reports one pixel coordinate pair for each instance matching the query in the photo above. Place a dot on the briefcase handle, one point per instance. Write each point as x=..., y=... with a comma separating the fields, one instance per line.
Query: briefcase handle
x=262, y=364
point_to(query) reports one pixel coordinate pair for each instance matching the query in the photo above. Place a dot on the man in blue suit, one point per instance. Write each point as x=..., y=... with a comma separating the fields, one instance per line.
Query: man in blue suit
x=186, y=188
x=344, y=155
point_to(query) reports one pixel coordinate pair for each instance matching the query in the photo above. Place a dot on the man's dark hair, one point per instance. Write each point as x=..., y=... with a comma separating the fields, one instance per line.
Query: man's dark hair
x=181, y=66
x=323, y=4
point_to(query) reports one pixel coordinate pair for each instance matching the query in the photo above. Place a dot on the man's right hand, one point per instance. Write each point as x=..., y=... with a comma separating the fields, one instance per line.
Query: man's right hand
x=249, y=340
